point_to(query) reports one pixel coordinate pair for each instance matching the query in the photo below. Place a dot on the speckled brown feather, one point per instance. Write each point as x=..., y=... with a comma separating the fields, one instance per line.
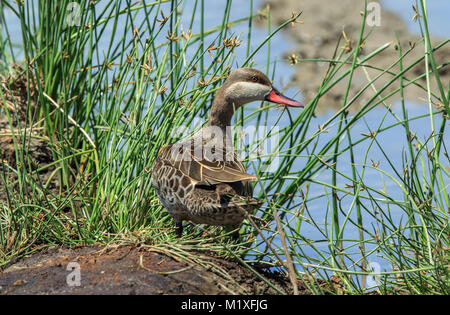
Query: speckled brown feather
x=201, y=179
x=203, y=193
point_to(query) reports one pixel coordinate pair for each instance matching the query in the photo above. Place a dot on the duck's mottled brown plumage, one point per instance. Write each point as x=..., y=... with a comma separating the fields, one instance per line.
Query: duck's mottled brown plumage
x=203, y=191
x=201, y=179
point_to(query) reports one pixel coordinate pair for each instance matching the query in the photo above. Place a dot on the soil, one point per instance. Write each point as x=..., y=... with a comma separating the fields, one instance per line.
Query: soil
x=131, y=270
x=323, y=22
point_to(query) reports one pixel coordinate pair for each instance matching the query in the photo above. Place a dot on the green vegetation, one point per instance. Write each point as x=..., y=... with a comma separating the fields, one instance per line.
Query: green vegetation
x=104, y=93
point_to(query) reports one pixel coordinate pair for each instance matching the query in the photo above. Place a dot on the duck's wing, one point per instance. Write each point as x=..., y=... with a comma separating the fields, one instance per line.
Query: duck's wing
x=203, y=165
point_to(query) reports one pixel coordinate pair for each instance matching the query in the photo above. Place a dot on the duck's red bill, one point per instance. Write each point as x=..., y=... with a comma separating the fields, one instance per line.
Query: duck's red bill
x=276, y=97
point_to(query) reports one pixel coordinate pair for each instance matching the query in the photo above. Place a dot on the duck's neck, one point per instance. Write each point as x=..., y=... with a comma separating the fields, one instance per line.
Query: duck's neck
x=221, y=111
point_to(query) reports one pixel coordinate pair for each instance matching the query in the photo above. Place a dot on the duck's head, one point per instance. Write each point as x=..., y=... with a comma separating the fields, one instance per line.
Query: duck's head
x=245, y=85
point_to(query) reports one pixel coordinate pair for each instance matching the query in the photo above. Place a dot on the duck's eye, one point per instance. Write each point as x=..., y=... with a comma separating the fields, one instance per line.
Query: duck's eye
x=254, y=79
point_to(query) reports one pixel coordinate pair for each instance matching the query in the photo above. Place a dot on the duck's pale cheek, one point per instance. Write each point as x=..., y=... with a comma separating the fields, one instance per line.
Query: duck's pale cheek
x=244, y=92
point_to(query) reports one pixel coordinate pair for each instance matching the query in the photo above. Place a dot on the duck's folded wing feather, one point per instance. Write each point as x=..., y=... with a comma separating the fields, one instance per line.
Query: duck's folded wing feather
x=204, y=170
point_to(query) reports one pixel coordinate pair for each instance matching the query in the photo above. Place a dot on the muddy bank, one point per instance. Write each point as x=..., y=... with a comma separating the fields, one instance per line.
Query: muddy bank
x=323, y=22
x=132, y=270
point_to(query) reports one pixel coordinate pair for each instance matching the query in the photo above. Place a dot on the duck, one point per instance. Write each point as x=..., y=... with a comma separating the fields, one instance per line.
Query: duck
x=201, y=179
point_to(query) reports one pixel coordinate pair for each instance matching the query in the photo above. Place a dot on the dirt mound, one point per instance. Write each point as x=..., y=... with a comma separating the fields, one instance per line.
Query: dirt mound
x=131, y=270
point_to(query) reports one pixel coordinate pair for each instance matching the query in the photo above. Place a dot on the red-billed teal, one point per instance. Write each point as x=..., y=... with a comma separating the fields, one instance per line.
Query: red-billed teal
x=201, y=179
